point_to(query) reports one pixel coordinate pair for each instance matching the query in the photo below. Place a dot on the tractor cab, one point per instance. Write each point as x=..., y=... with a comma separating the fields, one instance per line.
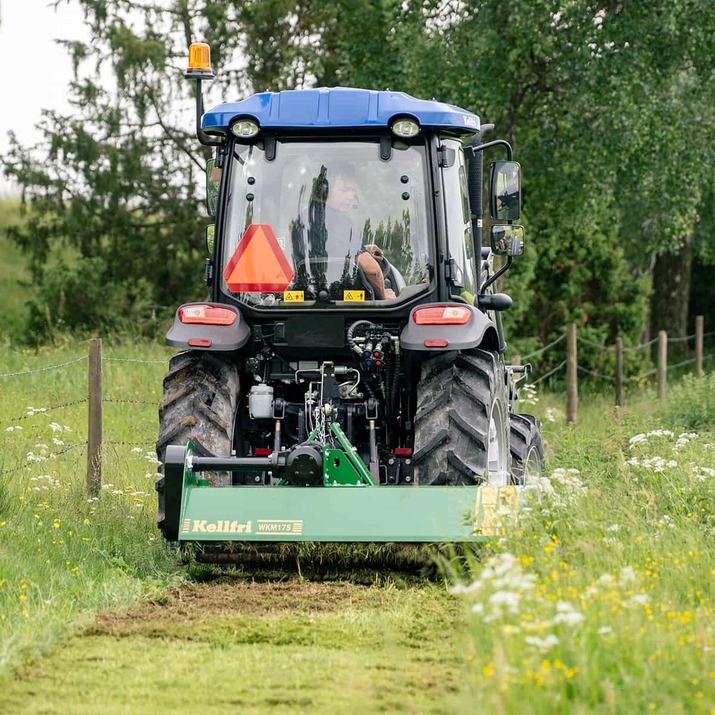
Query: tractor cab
x=340, y=196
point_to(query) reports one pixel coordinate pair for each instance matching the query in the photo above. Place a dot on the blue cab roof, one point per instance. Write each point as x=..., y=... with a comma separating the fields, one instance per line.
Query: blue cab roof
x=338, y=107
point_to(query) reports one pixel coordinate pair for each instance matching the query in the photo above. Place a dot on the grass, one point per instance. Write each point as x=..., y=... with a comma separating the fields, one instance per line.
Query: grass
x=599, y=600
x=63, y=555
x=320, y=647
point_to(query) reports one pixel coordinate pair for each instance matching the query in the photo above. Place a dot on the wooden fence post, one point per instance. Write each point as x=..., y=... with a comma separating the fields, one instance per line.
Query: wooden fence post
x=619, y=371
x=94, y=419
x=662, y=362
x=571, y=373
x=699, y=325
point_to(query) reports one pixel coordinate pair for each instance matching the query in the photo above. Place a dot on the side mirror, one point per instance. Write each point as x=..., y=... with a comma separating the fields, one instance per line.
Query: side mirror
x=508, y=240
x=213, y=179
x=505, y=190
x=210, y=238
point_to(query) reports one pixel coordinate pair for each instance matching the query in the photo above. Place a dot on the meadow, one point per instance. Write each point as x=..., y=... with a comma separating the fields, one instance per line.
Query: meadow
x=599, y=599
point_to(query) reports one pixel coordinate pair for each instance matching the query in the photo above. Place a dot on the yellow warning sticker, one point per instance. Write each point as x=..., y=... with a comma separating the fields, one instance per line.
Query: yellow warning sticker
x=353, y=296
x=293, y=296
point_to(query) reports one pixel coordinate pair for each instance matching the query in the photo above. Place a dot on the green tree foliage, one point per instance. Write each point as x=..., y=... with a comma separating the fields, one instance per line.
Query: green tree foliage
x=609, y=105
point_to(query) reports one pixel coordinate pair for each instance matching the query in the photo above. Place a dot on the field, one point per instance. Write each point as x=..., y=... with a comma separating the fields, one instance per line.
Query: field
x=600, y=598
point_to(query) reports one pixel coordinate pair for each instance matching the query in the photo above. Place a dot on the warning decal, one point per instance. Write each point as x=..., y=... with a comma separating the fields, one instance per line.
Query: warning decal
x=353, y=296
x=258, y=264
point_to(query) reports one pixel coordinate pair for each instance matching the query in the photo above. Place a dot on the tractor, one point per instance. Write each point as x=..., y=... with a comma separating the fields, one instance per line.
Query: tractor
x=345, y=381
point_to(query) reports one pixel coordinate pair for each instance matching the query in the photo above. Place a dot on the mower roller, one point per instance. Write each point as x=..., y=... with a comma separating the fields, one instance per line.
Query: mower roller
x=346, y=380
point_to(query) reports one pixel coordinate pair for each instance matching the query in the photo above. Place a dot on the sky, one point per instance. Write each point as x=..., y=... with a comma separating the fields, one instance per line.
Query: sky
x=38, y=78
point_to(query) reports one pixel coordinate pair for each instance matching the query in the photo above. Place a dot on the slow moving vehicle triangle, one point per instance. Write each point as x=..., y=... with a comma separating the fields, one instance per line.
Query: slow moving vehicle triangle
x=258, y=264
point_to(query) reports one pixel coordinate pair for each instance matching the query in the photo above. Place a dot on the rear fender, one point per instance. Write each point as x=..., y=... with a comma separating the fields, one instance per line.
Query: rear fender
x=478, y=331
x=208, y=336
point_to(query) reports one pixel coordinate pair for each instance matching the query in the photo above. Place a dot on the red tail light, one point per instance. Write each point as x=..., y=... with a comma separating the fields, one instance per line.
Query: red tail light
x=207, y=315
x=442, y=315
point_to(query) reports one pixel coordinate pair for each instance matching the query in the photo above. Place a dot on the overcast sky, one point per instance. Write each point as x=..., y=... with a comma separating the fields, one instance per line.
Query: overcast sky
x=37, y=70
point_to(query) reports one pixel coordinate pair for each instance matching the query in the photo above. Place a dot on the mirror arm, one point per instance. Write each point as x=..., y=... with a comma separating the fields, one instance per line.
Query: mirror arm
x=489, y=145
x=496, y=275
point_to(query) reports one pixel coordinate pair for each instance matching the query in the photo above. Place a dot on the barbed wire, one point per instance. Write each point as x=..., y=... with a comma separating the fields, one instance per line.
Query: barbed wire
x=145, y=362
x=545, y=348
x=593, y=373
x=131, y=402
x=548, y=374
x=45, y=410
x=44, y=369
x=51, y=455
x=642, y=346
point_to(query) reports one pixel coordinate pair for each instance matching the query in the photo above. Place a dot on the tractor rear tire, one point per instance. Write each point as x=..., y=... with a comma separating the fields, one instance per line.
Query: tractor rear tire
x=527, y=447
x=462, y=422
x=200, y=397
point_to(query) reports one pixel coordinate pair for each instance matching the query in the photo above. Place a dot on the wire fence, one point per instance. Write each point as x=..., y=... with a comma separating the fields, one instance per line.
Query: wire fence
x=95, y=399
x=618, y=377
x=95, y=402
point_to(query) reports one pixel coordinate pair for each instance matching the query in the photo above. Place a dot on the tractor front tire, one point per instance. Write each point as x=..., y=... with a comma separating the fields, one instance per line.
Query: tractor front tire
x=462, y=422
x=527, y=447
x=200, y=396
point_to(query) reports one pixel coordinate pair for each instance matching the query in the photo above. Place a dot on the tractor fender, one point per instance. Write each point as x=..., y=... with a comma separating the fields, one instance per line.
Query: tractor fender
x=195, y=327
x=478, y=331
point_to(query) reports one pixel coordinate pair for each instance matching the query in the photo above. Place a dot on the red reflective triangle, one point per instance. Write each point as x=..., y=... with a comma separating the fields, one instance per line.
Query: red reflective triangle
x=258, y=264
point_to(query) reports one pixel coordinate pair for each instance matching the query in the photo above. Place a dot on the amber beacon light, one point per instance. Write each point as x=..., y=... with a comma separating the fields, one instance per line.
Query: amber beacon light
x=199, y=61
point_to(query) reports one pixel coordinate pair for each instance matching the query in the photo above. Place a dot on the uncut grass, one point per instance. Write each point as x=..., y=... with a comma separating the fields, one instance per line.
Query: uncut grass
x=602, y=599
x=64, y=556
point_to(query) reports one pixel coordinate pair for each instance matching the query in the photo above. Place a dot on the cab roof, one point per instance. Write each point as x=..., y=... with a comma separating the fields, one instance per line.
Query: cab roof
x=337, y=107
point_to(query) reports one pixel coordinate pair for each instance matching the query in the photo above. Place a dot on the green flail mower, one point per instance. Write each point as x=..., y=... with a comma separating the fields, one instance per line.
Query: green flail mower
x=346, y=380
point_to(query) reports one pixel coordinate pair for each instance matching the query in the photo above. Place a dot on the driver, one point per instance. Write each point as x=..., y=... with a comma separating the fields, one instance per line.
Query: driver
x=331, y=233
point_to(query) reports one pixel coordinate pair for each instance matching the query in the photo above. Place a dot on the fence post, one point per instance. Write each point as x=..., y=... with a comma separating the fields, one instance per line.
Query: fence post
x=94, y=419
x=619, y=371
x=662, y=362
x=699, y=325
x=571, y=373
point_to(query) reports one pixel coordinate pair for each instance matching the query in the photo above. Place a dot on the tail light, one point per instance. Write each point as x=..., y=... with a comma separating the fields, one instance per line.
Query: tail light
x=442, y=315
x=207, y=315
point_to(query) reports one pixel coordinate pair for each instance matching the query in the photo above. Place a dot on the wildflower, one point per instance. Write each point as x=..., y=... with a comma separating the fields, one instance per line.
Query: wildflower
x=508, y=599
x=543, y=644
x=639, y=599
x=567, y=614
x=633, y=441
x=12, y=429
x=627, y=574
x=604, y=629
x=137, y=449
x=55, y=427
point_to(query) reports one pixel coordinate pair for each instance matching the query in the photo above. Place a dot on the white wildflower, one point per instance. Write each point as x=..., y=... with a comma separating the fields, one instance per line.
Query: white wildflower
x=639, y=599
x=628, y=574
x=633, y=441
x=137, y=449
x=604, y=629
x=55, y=427
x=543, y=644
x=567, y=614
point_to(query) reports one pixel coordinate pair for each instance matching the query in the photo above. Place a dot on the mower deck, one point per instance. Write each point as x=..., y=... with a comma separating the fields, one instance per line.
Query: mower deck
x=197, y=512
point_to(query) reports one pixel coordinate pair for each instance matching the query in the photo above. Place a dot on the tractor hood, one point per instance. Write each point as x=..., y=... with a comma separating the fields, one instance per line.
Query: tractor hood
x=338, y=107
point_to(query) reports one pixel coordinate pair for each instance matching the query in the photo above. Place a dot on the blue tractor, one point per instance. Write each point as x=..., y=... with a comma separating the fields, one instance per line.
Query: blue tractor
x=346, y=379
